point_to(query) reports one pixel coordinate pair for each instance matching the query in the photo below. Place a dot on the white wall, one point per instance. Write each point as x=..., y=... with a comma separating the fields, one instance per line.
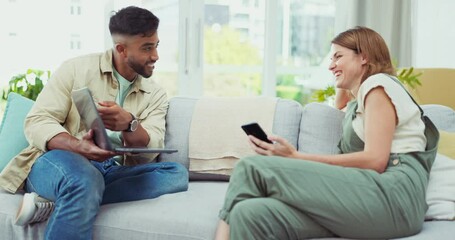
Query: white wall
x=34, y=35
x=434, y=34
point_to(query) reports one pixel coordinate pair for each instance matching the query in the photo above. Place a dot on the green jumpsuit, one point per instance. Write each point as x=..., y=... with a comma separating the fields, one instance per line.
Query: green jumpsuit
x=283, y=198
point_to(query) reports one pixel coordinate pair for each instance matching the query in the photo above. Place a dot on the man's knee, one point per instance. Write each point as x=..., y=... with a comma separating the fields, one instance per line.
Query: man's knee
x=178, y=174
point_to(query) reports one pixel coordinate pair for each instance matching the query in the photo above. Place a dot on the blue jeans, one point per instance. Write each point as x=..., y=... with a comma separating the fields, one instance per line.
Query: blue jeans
x=79, y=186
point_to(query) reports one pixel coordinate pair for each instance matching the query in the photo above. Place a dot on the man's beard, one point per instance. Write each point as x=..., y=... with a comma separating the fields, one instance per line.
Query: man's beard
x=139, y=68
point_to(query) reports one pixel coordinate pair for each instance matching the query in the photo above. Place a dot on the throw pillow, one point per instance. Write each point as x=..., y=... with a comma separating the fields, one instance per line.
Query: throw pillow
x=320, y=129
x=442, y=116
x=12, y=136
x=447, y=144
x=441, y=189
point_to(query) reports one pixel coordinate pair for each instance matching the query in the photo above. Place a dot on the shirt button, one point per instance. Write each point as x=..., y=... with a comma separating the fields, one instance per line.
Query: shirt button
x=395, y=162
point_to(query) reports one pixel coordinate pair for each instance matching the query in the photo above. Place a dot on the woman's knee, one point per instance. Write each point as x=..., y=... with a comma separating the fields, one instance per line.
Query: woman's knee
x=252, y=216
x=250, y=162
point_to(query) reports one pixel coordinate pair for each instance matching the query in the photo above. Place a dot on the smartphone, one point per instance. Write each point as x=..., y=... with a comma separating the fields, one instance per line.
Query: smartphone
x=255, y=130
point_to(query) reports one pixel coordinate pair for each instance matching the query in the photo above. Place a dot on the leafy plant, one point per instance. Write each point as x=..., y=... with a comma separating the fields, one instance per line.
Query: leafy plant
x=28, y=85
x=406, y=76
x=323, y=94
x=409, y=78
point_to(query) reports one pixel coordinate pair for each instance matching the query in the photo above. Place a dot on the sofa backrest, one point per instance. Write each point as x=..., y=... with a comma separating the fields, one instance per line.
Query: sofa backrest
x=314, y=128
x=286, y=123
x=321, y=130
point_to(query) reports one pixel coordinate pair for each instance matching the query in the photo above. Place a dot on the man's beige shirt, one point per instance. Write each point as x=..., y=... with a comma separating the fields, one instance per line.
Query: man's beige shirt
x=54, y=112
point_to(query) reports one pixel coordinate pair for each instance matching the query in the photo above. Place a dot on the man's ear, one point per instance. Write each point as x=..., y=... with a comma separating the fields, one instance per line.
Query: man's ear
x=121, y=49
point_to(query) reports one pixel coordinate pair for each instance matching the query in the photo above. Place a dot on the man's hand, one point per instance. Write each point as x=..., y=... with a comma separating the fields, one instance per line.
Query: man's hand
x=280, y=147
x=85, y=147
x=114, y=117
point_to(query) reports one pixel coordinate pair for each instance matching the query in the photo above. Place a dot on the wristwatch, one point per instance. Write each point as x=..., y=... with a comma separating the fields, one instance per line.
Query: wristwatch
x=133, y=124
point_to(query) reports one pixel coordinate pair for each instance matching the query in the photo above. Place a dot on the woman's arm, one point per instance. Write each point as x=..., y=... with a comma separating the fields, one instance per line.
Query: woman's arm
x=380, y=122
x=342, y=97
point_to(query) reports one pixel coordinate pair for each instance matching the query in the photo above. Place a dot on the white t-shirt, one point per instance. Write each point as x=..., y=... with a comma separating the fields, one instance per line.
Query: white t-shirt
x=409, y=134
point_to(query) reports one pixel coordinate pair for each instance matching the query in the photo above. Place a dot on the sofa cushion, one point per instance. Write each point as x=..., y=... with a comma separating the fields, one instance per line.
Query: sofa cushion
x=12, y=136
x=441, y=189
x=186, y=215
x=189, y=215
x=440, y=193
x=443, y=117
x=447, y=144
x=286, y=123
x=320, y=129
x=178, y=122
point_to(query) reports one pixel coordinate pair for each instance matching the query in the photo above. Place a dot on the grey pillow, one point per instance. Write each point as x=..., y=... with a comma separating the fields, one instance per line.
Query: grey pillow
x=443, y=117
x=286, y=123
x=178, y=122
x=320, y=129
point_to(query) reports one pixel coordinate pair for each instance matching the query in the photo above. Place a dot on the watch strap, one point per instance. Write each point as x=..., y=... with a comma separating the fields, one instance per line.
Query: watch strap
x=129, y=129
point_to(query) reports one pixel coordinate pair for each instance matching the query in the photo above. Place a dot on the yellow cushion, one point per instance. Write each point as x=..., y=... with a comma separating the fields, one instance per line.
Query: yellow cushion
x=437, y=86
x=447, y=144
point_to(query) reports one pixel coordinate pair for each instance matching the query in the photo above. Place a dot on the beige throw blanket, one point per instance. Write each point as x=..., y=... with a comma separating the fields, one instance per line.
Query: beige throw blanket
x=216, y=140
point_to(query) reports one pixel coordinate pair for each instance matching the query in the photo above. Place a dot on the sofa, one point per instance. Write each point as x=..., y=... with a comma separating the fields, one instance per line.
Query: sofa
x=192, y=215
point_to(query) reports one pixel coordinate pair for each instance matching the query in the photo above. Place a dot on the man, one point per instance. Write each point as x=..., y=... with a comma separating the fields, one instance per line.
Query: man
x=64, y=165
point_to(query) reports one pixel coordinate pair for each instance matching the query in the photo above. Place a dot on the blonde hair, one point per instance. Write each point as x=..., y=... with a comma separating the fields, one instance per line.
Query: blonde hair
x=371, y=45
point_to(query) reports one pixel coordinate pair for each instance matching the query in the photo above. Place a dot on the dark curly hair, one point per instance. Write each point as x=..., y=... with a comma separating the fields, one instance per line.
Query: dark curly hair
x=133, y=21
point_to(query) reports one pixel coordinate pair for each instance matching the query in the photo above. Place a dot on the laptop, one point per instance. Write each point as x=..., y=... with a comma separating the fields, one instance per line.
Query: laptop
x=86, y=107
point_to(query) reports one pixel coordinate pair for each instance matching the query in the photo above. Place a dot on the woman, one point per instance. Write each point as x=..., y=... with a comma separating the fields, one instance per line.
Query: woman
x=374, y=189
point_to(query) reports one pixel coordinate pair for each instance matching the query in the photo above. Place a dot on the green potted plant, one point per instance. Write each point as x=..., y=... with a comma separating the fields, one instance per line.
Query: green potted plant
x=406, y=76
x=27, y=84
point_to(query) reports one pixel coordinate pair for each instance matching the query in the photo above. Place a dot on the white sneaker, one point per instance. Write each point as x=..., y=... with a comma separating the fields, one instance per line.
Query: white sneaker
x=33, y=209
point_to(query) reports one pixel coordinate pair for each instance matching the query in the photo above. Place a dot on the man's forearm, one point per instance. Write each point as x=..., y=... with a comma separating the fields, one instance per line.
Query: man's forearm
x=138, y=138
x=63, y=141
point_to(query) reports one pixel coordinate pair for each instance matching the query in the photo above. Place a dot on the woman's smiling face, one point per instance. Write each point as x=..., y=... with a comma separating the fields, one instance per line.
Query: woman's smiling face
x=347, y=66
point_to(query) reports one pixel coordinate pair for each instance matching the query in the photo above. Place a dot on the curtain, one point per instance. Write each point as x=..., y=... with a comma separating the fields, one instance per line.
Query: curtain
x=390, y=18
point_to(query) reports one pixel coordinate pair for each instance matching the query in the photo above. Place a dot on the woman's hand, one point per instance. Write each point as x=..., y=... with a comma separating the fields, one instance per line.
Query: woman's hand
x=342, y=97
x=279, y=147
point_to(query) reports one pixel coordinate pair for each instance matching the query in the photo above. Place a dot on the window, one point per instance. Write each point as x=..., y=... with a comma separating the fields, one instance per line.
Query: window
x=207, y=47
x=233, y=48
x=75, y=42
x=236, y=53
x=306, y=29
x=75, y=7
